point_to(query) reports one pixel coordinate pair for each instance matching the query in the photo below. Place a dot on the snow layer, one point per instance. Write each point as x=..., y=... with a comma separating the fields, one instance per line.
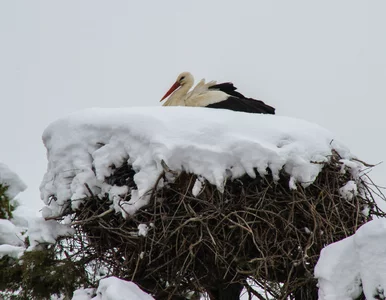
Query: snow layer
x=143, y=229
x=83, y=294
x=41, y=231
x=113, y=288
x=198, y=186
x=12, y=251
x=370, y=242
x=355, y=263
x=349, y=190
x=216, y=144
x=337, y=271
x=9, y=233
x=12, y=180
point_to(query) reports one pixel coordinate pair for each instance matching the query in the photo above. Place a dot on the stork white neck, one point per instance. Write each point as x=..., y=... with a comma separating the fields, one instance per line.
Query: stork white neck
x=181, y=88
x=178, y=97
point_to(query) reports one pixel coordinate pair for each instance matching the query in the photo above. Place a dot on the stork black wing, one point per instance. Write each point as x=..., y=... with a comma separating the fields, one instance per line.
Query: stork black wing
x=238, y=102
x=228, y=88
x=244, y=105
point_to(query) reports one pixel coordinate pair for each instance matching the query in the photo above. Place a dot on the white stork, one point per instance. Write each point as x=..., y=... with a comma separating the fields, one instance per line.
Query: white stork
x=212, y=95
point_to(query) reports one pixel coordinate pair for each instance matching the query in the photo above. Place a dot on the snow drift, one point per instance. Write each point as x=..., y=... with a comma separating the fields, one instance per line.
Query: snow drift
x=12, y=180
x=357, y=263
x=11, y=237
x=112, y=288
x=217, y=144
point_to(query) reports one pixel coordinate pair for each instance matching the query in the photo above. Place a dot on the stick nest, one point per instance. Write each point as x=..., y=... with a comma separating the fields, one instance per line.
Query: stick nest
x=255, y=231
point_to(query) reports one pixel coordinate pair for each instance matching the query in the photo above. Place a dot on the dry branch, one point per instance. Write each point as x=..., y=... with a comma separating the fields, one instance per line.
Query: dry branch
x=255, y=230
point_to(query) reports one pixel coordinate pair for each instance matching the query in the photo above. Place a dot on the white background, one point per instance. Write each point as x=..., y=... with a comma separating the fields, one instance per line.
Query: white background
x=323, y=61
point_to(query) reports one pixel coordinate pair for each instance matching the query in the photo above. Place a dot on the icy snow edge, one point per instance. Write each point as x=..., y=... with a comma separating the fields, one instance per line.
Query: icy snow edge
x=354, y=264
x=216, y=144
x=12, y=180
x=112, y=288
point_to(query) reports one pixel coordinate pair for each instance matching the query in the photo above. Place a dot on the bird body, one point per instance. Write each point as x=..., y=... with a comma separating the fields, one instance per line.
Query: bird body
x=200, y=95
x=212, y=95
x=203, y=95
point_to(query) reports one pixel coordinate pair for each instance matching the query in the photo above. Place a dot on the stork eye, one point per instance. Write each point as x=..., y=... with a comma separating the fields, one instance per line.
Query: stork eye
x=182, y=78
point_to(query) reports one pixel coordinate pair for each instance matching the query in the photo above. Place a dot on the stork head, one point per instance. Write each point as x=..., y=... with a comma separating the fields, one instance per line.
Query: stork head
x=185, y=78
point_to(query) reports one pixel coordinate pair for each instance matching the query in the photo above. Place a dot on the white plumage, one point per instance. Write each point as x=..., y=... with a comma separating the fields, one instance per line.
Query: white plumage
x=200, y=95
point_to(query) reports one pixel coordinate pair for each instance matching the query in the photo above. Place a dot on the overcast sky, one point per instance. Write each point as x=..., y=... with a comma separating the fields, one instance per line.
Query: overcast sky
x=323, y=61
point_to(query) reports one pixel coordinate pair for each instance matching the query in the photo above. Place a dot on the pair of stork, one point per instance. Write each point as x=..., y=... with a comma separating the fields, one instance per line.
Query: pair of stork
x=212, y=95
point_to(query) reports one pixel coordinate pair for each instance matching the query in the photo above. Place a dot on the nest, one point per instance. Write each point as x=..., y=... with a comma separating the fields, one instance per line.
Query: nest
x=255, y=231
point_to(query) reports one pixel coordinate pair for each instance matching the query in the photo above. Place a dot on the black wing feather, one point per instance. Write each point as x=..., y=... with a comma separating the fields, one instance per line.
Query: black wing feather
x=244, y=105
x=238, y=102
x=228, y=88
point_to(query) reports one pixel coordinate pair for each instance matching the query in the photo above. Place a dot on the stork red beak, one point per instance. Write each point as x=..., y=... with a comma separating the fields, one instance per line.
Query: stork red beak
x=175, y=86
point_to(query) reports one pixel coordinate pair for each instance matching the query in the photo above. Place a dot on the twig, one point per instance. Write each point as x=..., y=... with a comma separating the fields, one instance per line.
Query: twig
x=255, y=229
x=365, y=164
x=167, y=169
x=93, y=217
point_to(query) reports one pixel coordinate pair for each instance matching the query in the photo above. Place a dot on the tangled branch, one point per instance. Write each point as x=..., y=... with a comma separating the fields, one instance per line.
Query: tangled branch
x=256, y=230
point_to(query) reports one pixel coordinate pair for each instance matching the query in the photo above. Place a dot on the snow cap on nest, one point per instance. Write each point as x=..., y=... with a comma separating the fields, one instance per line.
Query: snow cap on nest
x=215, y=144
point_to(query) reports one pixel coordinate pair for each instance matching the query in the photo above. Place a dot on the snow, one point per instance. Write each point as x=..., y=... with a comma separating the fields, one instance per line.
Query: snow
x=21, y=215
x=337, y=271
x=370, y=242
x=83, y=294
x=198, y=186
x=12, y=251
x=41, y=231
x=12, y=180
x=216, y=144
x=349, y=190
x=143, y=229
x=9, y=233
x=357, y=262
x=113, y=288
x=116, y=193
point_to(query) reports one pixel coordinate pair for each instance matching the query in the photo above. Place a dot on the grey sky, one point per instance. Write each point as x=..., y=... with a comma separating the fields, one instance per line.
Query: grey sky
x=323, y=61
